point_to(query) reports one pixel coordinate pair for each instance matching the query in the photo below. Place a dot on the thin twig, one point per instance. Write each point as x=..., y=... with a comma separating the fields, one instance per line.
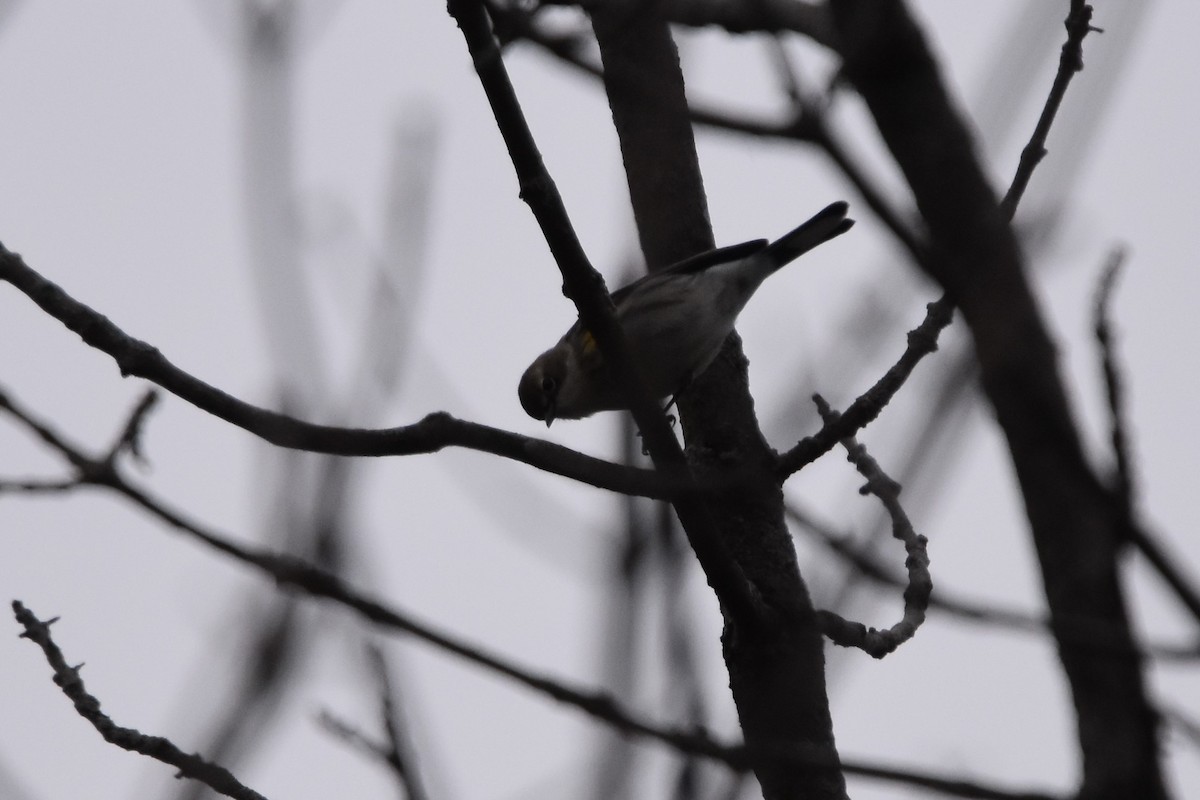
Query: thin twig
x=1184, y=723
x=1082, y=631
x=581, y=282
x=317, y=583
x=398, y=753
x=351, y=735
x=943, y=417
x=1114, y=387
x=385, y=753
x=954, y=788
x=585, y=287
x=762, y=16
x=1168, y=567
x=919, y=585
x=806, y=124
x=922, y=341
x=836, y=150
x=1079, y=25
x=67, y=677
x=37, y=486
x=436, y=431
x=130, y=440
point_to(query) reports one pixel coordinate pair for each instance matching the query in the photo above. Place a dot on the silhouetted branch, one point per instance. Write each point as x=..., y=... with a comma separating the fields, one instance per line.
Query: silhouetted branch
x=1114, y=386
x=398, y=753
x=585, y=287
x=1079, y=25
x=1184, y=723
x=919, y=586
x=1169, y=567
x=806, y=124
x=130, y=439
x=435, y=432
x=1083, y=631
x=298, y=574
x=582, y=284
x=946, y=786
x=156, y=747
x=734, y=16
x=978, y=262
x=394, y=752
x=922, y=341
x=317, y=583
x=931, y=444
x=37, y=486
x=352, y=735
x=761, y=16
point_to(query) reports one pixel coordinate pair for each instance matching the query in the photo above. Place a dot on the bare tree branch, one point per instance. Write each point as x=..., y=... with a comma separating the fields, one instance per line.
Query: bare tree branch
x=290, y=572
x=1167, y=566
x=735, y=16
x=37, y=486
x=435, y=432
x=922, y=341
x=350, y=734
x=919, y=585
x=398, y=754
x=1083, y=631
x=130, y=439
x=156, y=747
x=1185, y=724
x=761, y=16
x=585, y=287
x=394, y=753
x=1114, y=386
x=978, y=262
x=1079, y=25
x=807, y=122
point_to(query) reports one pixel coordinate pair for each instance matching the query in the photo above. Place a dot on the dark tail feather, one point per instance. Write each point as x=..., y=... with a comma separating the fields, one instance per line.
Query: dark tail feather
x=831, y=221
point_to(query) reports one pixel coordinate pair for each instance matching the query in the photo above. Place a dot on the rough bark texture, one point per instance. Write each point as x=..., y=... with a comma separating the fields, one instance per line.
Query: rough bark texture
x=776, y=666
x=1074, y=519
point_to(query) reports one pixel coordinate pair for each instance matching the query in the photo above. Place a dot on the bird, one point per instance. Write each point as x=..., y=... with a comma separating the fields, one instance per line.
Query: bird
x=675, y=321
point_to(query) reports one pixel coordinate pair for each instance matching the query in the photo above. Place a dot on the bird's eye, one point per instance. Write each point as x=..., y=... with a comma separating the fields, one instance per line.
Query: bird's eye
x=549, y=385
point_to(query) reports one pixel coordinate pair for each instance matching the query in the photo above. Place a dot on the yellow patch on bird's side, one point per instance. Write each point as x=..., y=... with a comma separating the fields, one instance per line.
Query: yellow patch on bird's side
x=589, y=343
x=590, y=358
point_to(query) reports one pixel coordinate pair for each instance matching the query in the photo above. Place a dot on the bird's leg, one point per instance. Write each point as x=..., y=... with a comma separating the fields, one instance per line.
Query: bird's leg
x=667, y=408
x=683, y=387
x=671, y=418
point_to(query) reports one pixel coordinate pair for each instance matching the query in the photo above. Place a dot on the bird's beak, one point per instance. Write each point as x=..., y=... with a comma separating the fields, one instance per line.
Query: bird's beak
x=549, y=415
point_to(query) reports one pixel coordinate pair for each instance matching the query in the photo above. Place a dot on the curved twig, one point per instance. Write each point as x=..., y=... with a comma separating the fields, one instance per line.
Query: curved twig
x=922, y=340
x=161, y=749
x=432, y=433
x=920, y=584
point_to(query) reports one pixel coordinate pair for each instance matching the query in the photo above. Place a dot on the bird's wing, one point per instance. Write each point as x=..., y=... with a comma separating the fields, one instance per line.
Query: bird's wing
x=692, y=265
x=589, y=353
x=710, y=258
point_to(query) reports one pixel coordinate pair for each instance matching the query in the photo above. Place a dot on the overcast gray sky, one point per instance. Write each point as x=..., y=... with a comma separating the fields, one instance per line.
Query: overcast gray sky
x=120, y=179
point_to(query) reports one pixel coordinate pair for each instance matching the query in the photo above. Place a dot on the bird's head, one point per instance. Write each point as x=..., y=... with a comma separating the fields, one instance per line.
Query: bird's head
x=541, y=384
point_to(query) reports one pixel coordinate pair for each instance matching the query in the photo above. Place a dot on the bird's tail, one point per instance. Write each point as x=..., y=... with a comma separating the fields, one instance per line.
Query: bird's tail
x=829, y=222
